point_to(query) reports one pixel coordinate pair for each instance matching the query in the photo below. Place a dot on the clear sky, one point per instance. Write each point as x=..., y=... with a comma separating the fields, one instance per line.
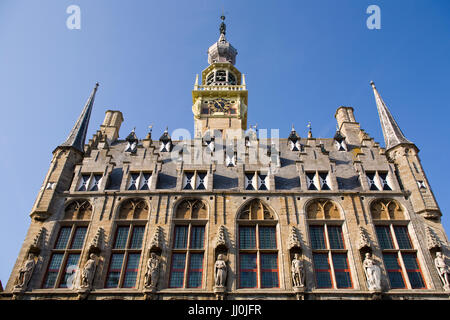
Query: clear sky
x=302, y=60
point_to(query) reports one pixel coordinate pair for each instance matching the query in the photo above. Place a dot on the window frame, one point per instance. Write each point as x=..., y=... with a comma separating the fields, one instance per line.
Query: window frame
x=325, y=224
x=66, y=252
x=398, y=252
x=188, y=250
x=126, y=251
x=258, y=251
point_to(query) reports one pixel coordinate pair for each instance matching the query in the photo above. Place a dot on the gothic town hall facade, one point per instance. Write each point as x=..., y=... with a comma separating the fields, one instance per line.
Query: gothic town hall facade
x=231, y=214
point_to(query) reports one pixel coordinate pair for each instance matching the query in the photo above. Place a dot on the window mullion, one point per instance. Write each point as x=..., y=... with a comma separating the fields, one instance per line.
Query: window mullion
x=187, y=261
x=61, y=272
x=317, y=180
x=404, y=271
x=330, y=256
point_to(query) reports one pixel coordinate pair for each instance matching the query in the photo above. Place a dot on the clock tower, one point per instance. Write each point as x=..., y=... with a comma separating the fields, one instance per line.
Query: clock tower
x=220, y=101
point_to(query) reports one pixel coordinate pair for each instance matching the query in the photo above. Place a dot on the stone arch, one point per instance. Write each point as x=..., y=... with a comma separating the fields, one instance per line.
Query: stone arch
x=322, y=209
x=135, y=208
x=80, y=209
x=256, y=209
x=191, y=209
x=386, y=209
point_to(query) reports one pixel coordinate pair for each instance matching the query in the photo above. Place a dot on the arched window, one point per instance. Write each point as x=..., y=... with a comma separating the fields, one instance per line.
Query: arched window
x=258, y=247
x=66, y=251
x=330, y=258
x=399, y=255
x=127, y=244
x=188, y=244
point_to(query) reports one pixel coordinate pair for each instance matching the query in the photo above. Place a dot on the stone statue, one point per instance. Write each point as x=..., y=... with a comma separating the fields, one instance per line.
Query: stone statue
x=442, y=269
x=373, y=273
x=220, y=271
x=87, y=274
x=298, y=276
x=152, y=273
x=25, y=272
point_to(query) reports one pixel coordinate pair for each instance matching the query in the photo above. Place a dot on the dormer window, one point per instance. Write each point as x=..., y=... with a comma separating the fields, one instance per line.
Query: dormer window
x=318, y=180
x=195, y=180
x=139, y=181
x=89, y=182
x=230, y=159
x=339, y=141
x=294, y=141
x=166, y=142
x=378, y=180
x=256, y=181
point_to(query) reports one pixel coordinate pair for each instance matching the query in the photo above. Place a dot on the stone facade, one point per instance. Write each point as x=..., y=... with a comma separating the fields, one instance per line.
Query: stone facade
x=106, y=208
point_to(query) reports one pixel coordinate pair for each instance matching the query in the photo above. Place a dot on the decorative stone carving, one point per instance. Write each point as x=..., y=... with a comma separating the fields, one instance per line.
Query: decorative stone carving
x=221, y=241
x=294, y=241
x=152, y=273
x=364, y=242
x=38, y=242
x=97, y=242
x=156, y=244
x=442, y=269
x=433, y=241
x=87, y=274
x=25, y=273
x=220, y=271
x=373, y=273
x=298, y=274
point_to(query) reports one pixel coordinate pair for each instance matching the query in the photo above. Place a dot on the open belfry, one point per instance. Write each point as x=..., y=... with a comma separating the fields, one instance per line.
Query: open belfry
x=232, y=213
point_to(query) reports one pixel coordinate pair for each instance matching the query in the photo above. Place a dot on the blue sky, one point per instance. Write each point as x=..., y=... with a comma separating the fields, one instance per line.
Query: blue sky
x=302, y=59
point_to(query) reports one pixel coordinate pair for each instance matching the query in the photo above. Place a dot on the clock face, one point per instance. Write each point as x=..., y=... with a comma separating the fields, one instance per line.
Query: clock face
x=219, y=105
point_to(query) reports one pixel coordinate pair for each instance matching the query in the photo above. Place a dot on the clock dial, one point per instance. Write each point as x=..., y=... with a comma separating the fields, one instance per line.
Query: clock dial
x=219, y=105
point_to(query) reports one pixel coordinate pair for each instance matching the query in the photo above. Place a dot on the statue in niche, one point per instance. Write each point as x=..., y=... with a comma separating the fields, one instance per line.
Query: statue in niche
x=372, y=272
x=152, y=273
x=442, y=269
x=87, y=274
x=298, y=276
x=25, y=272
x=220, y=271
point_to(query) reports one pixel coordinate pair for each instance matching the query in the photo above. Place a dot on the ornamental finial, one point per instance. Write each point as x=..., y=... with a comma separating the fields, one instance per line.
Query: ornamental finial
x=223, y=27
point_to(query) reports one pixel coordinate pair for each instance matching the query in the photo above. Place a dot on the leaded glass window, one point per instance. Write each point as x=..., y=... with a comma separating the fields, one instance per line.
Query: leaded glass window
x=89, y=182
x=258, y=247
x=400, y=257
x=188, y=247
x=65, y=257
x=329, y=253
x=125, y=256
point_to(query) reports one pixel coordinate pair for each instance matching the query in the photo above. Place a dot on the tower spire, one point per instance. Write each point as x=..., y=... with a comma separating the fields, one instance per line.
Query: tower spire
x=393, y=135
x=77, y=135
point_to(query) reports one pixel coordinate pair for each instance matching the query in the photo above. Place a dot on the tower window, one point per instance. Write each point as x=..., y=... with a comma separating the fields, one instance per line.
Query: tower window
x=421, y=184
x=221, y=76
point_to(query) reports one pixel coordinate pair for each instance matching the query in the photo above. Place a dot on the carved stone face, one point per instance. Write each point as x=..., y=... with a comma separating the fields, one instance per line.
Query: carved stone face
x=368, y=256
x=438, y=254
x=92, y=256
x=220, y=257
x=296, y=256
